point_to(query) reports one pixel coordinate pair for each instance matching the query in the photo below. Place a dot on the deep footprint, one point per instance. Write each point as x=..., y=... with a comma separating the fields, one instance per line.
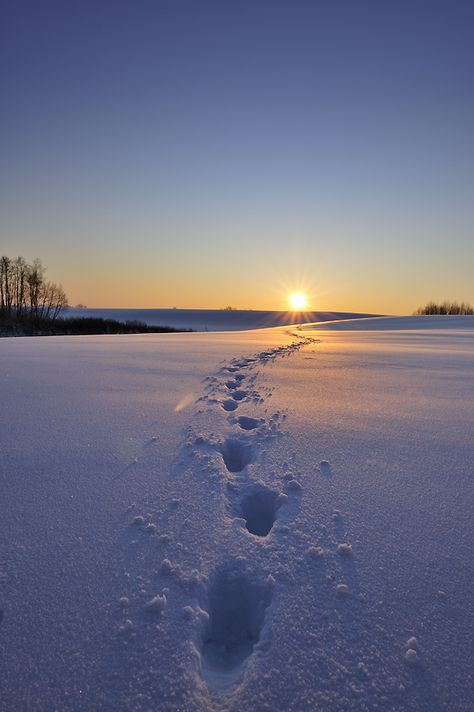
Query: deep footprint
x=259, y=509
x=236, y=607
x=247, y=423
x=230, y=404
x=239, y=395
x=236, y=454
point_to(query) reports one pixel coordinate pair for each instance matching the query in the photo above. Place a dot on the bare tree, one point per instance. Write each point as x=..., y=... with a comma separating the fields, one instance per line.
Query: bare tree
x=35, y=283
x=5, y=282
x=23, y=290
x=19, y=286
x=52, y=300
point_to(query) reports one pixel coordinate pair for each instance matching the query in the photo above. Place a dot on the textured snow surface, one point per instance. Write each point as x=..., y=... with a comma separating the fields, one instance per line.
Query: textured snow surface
x=268, y=520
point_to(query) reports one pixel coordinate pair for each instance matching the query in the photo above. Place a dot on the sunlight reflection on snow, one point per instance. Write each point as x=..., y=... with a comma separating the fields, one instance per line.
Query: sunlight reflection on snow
x=184, y=402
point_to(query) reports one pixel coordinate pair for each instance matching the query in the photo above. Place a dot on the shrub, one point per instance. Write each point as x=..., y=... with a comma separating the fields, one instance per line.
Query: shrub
x=446, y=308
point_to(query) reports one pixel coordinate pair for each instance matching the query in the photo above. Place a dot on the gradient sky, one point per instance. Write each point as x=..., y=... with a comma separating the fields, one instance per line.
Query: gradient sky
x=204, y=153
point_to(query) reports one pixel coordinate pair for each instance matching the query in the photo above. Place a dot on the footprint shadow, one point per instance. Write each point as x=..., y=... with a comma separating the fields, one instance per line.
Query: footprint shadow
x=236, y=605
x=237, y=454
x=230, y=404
x=247, y=423
x=259, y=507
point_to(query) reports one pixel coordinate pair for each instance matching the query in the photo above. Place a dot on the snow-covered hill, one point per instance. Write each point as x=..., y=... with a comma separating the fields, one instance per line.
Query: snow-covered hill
x=213, y=319
x=266, y=520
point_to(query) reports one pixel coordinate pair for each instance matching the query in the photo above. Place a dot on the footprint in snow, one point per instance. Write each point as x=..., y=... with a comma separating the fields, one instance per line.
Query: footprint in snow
x=237, y=454
x=259, y=507
x=236, y=606
x=230, y=404
x=247, y=423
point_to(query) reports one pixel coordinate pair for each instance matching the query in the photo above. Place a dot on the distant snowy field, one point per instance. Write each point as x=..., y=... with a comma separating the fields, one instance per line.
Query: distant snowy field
x=211, y=319
x=278, y=519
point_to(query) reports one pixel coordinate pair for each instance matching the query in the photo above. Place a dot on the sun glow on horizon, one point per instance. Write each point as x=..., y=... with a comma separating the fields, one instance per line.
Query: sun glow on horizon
x=298, y=301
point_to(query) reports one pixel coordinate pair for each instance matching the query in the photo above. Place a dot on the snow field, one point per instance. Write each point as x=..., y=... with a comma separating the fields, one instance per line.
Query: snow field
x=299, y=539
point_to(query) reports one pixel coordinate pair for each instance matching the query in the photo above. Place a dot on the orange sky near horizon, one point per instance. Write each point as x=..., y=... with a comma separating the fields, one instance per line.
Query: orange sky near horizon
x=252, y=284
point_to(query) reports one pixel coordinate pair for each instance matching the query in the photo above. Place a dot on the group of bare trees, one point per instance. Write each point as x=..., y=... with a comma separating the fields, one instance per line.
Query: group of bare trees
x=24, y=291
x=446, y=308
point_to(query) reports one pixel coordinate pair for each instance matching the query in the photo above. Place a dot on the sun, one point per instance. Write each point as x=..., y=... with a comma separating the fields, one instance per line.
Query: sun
x=298, y=301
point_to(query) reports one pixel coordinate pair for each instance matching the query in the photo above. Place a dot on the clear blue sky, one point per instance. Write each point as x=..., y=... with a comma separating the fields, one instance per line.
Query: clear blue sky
x=209, y=153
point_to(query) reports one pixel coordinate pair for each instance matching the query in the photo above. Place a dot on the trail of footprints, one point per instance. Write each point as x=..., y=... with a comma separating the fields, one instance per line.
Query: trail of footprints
x=229, y=607
x=231, y=604
x=236, y=602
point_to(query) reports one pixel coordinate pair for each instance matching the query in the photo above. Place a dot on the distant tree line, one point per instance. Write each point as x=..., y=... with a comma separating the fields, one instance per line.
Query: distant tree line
x=30, y=305
x=24, y=291
x=68, y=326
x=446, y=308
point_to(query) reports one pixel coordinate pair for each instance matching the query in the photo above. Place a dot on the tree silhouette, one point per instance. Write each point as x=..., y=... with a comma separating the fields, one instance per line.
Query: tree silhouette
x=25, y=291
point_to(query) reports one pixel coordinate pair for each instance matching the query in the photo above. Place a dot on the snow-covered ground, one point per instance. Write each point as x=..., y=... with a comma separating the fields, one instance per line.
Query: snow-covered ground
x=278, y=519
